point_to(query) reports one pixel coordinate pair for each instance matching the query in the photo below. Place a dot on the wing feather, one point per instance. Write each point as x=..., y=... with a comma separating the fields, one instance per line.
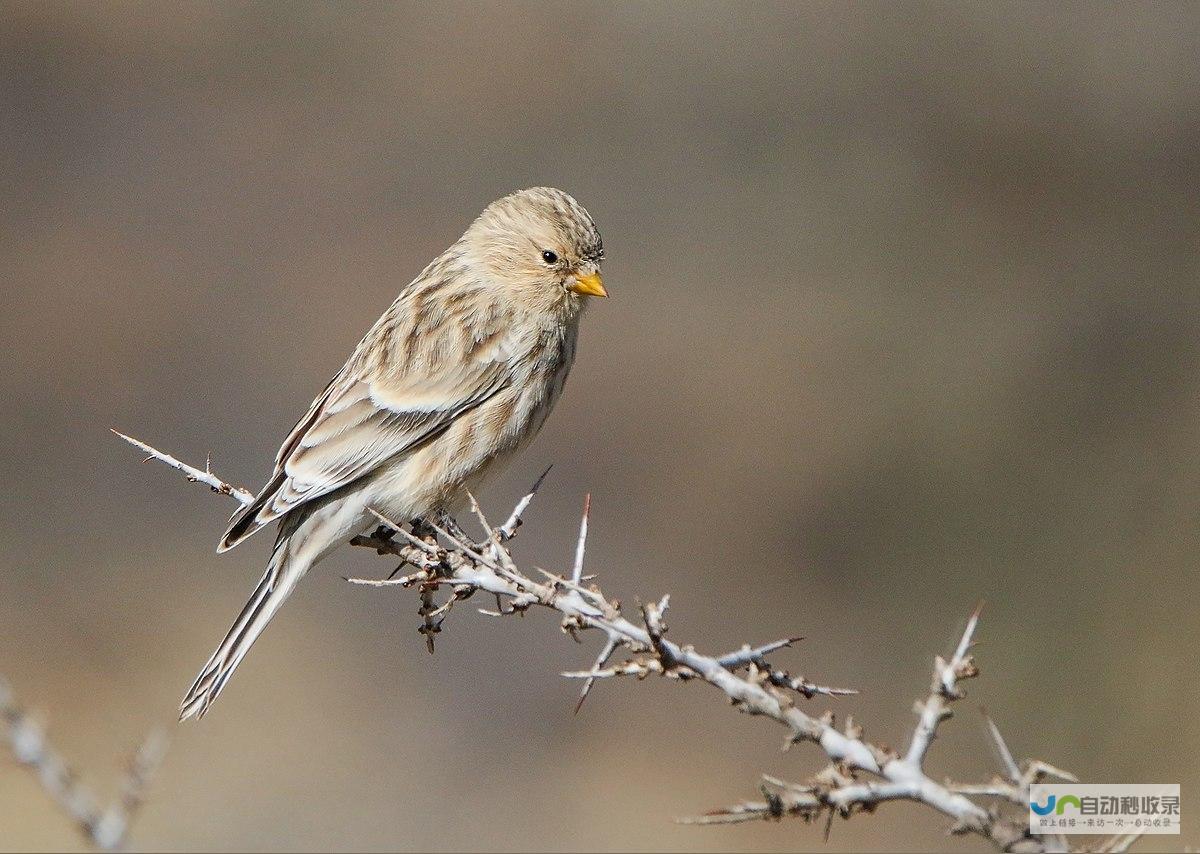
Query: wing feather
x=368, y=415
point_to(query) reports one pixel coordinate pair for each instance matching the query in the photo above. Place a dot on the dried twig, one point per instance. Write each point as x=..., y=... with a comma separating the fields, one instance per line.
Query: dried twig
x=105, y=828
x=193, y=474
x=862, y=774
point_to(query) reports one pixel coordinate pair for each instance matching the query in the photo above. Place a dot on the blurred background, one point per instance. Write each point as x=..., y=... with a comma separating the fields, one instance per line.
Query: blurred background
x=904, y=316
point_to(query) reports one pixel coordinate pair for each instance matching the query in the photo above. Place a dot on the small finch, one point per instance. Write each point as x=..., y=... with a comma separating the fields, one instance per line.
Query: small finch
x=458, y=374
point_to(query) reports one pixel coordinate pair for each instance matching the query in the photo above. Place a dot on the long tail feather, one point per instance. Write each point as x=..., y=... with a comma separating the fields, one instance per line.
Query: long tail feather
x=272, y=591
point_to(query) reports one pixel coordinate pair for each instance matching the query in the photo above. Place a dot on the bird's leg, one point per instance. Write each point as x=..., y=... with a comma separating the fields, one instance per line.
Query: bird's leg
x=422, y=530
x=451, y=526
x=383, y=532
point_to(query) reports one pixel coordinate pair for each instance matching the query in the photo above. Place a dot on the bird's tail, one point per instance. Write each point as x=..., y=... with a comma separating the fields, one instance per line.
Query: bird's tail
x=283, y=571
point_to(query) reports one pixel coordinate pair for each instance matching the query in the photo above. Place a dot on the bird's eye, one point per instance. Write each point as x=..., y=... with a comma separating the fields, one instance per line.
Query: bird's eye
x=549, y=257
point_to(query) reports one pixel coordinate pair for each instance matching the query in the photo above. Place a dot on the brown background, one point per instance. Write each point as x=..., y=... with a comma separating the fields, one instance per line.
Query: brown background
x=904, y=315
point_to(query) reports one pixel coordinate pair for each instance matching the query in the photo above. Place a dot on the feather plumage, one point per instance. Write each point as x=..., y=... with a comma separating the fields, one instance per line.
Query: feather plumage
x=459, y=372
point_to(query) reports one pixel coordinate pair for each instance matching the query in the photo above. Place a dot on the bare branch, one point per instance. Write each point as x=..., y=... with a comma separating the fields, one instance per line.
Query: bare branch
x=1006, y=758
x=610, y=646
x=105, y=828
x=509, y=529
x=861, y=774
x=193, y=474
x=946, y=676
x=747, y=654
x=577, y=569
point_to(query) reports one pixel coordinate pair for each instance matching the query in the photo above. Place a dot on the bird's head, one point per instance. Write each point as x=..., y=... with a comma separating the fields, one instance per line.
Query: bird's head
x=542, y=246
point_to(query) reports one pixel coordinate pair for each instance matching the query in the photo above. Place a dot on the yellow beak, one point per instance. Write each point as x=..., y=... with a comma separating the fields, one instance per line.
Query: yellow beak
x=590, y=285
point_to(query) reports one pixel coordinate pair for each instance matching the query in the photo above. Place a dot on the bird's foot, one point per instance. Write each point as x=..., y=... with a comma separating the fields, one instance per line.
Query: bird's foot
x=423, y=530
x=451, y=527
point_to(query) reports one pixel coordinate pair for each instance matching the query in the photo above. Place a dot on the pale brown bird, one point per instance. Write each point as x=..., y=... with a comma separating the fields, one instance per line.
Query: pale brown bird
x=458, y=374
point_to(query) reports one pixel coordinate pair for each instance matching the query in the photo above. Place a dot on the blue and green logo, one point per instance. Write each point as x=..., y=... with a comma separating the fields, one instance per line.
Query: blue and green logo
x=1055, y=805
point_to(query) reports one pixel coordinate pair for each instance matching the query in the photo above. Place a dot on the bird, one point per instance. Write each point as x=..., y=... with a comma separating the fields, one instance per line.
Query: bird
x=457, y=375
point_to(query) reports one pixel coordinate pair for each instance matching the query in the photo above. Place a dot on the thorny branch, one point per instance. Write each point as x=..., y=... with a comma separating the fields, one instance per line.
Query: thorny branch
x=104, y=828
x=861, y=774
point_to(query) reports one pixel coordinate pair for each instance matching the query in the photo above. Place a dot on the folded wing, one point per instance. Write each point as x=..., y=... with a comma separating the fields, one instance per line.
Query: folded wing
x=360, y=421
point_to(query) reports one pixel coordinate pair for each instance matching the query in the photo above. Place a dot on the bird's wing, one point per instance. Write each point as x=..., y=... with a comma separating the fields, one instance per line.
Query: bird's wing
x=362, y=420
